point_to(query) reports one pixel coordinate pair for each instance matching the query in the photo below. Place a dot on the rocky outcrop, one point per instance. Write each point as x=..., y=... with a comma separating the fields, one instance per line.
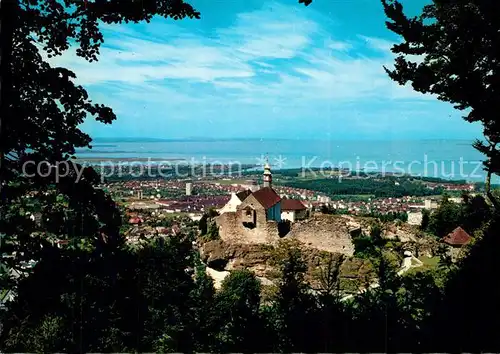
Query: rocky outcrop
x=424, y=245
x=217, y=276
x=321, y=237
x=401, y=231
x=264, y=261
x=213, y=255
x=222, y=255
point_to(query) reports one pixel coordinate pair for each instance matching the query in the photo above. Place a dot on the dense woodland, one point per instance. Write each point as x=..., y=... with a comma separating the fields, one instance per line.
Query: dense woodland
x=471, y=215
x=158, y=298
x=100, y=295
x=377, y=187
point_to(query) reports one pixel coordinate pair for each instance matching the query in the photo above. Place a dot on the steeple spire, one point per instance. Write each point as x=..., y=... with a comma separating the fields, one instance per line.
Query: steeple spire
x=267, y=176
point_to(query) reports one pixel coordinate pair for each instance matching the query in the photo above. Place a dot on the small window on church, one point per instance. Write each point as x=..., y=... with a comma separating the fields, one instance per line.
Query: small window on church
x=249, y=212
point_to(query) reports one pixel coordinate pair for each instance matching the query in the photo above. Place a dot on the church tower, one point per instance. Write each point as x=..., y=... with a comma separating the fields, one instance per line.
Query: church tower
x=267, y=177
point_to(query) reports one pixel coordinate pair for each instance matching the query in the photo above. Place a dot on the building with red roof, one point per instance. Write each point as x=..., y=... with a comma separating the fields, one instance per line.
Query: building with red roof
x=457, y=238
x=267, y=197
x=257, y=207
x=260, y=206
x=292, y=209
x=135, y=220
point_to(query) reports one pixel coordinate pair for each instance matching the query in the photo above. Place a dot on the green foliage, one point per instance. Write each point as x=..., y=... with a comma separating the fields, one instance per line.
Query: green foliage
x=144, y=300
x=213, y=232
x=212, y=213
x=388, y=217
x=457, y=43
x=369, y=247
x=365, y=247
x=378, y=187
x=445, y=261
x=104, y=297
x=203, y=224
x=471, y=215
x=238, y=304
x=293, y=302
x=476, y=213
x=41, y=122
x=470, y=298
x=445, y=218
x=376, y=232
x=113, y=302
x=45, y=109
x=426, y=216
x=50, y=334
x=328, y=275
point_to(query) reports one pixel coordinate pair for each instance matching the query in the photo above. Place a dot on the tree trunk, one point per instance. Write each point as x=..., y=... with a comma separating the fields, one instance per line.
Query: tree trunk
x=489, y=194
x=487, y=185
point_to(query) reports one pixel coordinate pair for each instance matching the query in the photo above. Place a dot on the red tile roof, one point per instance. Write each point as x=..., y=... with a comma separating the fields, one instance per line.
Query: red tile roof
x=291, y=204
x=135, y=220
x=267, y=197
x=457, y=237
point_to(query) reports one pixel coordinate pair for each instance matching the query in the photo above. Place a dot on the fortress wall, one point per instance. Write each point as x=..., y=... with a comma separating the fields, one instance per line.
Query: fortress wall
x=323, y=232
x=231, y=229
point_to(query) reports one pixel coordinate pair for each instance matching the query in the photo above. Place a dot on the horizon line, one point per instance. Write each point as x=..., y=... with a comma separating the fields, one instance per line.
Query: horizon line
x=206, y=139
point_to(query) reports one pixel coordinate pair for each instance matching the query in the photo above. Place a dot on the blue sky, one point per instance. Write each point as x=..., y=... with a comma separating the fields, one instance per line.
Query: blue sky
x=261, y=69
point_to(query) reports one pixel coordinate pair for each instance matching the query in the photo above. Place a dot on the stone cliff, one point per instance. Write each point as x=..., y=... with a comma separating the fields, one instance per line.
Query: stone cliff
x=320, y=237
x=264, y=260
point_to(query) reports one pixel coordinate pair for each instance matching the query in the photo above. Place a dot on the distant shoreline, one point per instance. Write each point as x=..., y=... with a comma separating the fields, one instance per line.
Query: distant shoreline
x=148, y=159
x=100, y=140
x=126, y=159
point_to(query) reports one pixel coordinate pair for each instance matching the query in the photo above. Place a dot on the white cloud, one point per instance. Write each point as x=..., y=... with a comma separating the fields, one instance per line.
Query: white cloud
x=129, y=57
x=378, y=44
x=275, y=56
x=274, y=46
x=276, y=31
x=138, y=60
x=337, y=45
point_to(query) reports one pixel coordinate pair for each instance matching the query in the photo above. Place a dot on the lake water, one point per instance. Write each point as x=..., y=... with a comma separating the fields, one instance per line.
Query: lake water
x=451, y=159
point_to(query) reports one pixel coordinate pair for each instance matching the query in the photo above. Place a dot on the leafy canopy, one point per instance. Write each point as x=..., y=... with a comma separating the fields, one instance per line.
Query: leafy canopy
x=451, y=51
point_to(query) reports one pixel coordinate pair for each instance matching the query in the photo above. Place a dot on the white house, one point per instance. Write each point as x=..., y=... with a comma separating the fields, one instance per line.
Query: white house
x=236, y=199
x=292, y=210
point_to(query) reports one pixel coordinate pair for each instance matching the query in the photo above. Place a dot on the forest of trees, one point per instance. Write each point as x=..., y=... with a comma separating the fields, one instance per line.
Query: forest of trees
x=100, y=295
x=376, y=187
x=158, y=298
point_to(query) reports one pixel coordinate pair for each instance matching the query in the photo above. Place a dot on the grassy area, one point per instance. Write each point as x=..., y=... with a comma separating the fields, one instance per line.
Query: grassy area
x=429, y=262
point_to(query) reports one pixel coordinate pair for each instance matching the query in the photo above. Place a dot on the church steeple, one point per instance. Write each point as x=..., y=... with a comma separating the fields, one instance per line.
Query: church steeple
x=267, y=176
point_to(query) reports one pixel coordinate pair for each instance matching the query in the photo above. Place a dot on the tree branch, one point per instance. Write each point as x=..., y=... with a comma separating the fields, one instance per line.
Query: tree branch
x=487, y=186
